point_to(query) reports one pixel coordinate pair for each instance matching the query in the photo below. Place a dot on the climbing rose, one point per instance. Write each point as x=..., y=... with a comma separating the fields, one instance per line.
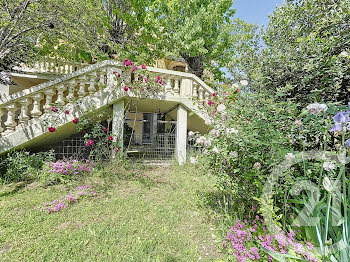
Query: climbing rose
x=146, y=79
x=116, y=149
x=126, y=88
x=143, y=66
x=52, y=129
x=210, y=103
x=128, y=62
x=105, y=129
x=112, y=56
x=158, y=79
x=75, y=120
x=110, y=138
x=257, y=165
x=191, y=133
x=89, y=142
x=67, y=112
x=54, y=109
x=134, y=68
x=214, y=94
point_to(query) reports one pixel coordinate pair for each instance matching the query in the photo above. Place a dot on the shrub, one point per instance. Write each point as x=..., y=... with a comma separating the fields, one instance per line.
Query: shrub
x=21, y=165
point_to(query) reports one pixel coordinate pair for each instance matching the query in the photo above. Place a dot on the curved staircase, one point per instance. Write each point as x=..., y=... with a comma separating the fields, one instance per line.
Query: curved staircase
x=25, y=115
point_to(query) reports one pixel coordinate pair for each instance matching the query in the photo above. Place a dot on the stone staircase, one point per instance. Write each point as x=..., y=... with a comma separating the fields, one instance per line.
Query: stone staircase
x=24, y=115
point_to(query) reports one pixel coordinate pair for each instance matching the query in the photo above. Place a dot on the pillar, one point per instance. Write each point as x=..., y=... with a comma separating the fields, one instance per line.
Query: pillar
x=181, y=134
x=118, y=122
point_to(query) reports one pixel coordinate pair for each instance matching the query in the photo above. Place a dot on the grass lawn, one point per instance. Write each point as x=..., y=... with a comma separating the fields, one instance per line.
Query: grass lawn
x=137, y=215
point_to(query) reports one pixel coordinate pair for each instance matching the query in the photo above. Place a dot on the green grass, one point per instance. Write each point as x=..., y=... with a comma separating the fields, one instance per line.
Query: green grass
x=132, y=218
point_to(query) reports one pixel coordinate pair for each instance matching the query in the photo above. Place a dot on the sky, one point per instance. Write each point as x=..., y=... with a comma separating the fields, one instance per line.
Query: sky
x=255, y=11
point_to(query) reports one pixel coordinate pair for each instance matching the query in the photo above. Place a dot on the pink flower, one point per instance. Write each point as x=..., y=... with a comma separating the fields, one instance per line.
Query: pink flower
x=54, y=109
x=118, y=75
x=126, y=88
x=89, y=142
x=84, y=131
x=128, y=62
x=112, y=56
x=52, y=129
x=143, y=66
x=116, y=149
x=67, y=112
x=115, y=72
x=134, y=68
x=146, y=79
x=158, y=80
x=210, y=103
x=214, y=94
x=105, y=129
x=110, y=138
x=75, y=120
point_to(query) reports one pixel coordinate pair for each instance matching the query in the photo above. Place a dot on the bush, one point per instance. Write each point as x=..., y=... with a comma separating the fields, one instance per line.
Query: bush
x=22, y=165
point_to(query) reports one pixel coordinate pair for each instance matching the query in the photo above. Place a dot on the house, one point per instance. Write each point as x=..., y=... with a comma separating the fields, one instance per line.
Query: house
x=155, y=122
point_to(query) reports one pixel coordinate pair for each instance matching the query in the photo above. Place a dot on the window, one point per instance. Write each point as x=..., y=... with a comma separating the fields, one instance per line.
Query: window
x=147, y=129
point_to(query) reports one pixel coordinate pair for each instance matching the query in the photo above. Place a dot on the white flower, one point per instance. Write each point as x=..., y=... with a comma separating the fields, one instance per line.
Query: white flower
x=191, y=133
x=289, y=156
x=257, y=165
x=298, y=122
x=201, y=140
x=215, y=132
x=216, y=150
x=230, y=131
x=344, y=54
x=244, y=82
x=235, y=85
x=327, y=184
x=316, y=108
x=221, y=108
x=328, y=166
x=193, y=160
x=233, y=154
x=207, y=143
x=208, y=121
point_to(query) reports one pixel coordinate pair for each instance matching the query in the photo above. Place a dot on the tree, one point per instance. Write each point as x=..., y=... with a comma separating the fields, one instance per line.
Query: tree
x=30, y=29
x=306, y=57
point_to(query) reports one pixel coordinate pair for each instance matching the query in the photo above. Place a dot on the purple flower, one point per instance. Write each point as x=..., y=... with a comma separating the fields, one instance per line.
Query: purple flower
x=347, y=143
x=341, y=117
x=337, y=127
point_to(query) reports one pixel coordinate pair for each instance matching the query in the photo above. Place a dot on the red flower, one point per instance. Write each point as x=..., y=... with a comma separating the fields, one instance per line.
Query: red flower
x=126, y=88
x=210, y=103
x=134, y=68
x=128, y=62
x=146, y=79
x=214, y=94
x=116, y=149
x=54, y=109
x=143, y=66
x=75, y=120
x=67, y=112
x=115, y=72
x=52, y=129
x=118, y=75
x=84, y=131
x=112, y=56
x=89, y=142
x=110, y=138
x=105, y=129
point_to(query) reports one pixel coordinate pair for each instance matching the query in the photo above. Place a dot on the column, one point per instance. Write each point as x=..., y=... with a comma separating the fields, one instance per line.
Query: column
x=181, y=134
x=118, y=122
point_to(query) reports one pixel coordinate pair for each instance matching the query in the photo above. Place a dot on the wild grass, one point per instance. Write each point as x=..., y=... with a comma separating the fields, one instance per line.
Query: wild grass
x=138, y=214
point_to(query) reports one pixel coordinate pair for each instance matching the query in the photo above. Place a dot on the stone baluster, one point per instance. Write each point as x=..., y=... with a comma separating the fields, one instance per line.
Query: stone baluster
x=36, y=112
x=92, y=80
x=101, y=77
x=200, y=94
x=1, y=115
x=60, y=94
x=49, y=93
x=82, y=82
x=71, y=89
x=195, y=88
x=23, y=117
x=10, y=123
x=168, y=86
x=206, y=96
x=176, y=85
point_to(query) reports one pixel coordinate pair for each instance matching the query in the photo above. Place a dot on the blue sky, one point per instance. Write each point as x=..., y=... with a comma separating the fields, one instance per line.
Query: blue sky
x=255, y=11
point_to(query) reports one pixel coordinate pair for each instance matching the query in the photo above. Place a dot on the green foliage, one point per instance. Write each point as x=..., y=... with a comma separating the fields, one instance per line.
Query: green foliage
x=22, y=165
x=306, y=57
